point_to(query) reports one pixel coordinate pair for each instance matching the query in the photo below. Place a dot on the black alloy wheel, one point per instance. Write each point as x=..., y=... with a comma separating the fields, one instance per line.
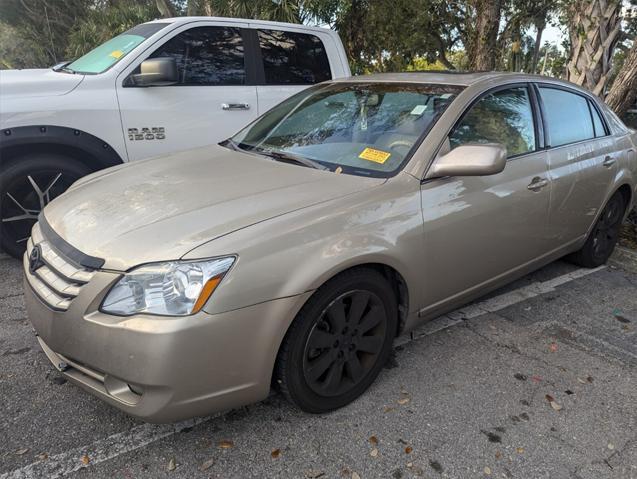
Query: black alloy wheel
x=26, y=186
x=339, y=341
x=345, y=343
x=604, y=235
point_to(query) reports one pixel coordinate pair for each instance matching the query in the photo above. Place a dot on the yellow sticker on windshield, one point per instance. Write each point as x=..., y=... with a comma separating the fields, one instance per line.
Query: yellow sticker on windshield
x=117, y=53
x=377, y=156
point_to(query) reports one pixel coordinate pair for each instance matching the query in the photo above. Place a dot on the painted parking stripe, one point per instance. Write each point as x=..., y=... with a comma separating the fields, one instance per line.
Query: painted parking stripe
x=113, y=446
x=495, y=303
x=102, y=450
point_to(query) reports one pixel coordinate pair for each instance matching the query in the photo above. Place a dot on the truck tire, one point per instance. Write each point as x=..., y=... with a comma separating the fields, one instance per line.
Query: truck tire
x=27, y=184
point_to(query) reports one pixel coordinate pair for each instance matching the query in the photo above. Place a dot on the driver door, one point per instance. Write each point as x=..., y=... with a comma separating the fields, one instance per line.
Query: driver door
x=481, y=229
x=212, y=100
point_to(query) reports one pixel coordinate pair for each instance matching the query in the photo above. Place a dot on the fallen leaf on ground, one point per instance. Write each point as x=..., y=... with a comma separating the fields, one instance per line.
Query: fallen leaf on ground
x=555, y=406
x=85, y=459
x=43, y=456
x=487, y=470
x=207, y=465
x=403, y=401
x=536, y=379
x=408, y=450
x=314, y=474
x=225, y=444
x=23, y=451
x=611, y=446
x=374, y=452
x=276, y=453
x=553, y=347
x=498, y=454
x=549, y=398
x=171, y=464
x=388, y=409
x=373, y=440
x=520, y=450
x=355, y=475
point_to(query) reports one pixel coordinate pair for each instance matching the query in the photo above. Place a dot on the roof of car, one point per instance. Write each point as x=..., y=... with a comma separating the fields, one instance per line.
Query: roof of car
x=182, y=20
x=447, y=77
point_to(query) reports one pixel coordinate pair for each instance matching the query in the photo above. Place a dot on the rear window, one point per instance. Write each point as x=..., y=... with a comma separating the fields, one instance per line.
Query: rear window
x=568, y=116
x=291, y=58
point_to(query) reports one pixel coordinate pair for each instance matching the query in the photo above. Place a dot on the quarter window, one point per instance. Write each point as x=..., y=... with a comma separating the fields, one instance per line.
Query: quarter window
x=291, y=58
x=567, y=115
x=504, y=117
x=207, y=56
x=597, y=121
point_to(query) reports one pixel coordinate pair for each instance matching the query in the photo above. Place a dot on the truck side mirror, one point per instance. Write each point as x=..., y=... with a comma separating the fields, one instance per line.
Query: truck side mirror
x=155, y=72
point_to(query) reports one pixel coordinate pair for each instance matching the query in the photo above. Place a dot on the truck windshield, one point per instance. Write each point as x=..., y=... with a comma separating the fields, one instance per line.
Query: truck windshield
x=109, y=53
x=357, y=128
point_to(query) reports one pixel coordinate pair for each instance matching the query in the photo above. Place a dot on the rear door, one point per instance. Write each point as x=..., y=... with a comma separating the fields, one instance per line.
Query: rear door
x=582, y=162
x=213, y=99
x=289, y=61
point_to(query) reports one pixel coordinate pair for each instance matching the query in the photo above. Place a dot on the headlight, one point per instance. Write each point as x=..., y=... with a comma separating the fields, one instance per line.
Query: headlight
x=175, y=288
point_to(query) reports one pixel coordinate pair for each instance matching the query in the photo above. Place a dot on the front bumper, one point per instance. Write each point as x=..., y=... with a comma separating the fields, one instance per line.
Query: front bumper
x=163, y=369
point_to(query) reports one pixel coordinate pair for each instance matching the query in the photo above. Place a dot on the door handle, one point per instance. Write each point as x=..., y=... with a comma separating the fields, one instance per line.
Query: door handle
x=538, y=183
x=608, y=161
x=235, y=106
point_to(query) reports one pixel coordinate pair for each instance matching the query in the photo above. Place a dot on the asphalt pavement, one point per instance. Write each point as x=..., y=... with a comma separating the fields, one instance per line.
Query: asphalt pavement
x=538, y=380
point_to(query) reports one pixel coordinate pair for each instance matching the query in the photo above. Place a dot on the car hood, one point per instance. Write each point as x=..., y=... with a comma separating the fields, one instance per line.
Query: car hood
x=37, y=82
x=160, y=209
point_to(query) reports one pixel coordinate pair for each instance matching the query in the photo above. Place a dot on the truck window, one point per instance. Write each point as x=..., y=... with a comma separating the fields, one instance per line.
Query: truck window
x=207, y=56
x=110, y=52
x=291, y=58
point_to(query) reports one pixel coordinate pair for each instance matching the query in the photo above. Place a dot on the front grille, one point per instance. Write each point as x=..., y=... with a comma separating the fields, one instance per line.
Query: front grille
x=59, y=280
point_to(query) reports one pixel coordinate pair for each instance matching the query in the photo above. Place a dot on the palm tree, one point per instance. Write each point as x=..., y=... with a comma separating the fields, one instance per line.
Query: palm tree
x=594, y=30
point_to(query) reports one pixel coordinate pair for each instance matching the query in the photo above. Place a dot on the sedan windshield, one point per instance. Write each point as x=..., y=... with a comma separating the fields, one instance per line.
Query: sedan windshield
x=110, y=52
x=358, y=128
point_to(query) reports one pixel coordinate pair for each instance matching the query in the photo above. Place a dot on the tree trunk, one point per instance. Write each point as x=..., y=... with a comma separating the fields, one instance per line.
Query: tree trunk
x=623, y=93
x=594, y=27
x=482, y=47
x=166, y=8
x=540, y=25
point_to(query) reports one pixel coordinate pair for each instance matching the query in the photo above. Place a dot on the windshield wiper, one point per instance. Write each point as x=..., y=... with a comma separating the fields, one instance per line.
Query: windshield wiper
x=291, y=158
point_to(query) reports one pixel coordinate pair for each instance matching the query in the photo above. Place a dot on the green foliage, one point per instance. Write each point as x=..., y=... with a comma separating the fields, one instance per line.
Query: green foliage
x=103, y=24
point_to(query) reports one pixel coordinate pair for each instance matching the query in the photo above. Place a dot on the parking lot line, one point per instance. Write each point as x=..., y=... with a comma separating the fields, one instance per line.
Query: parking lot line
x=117, y=444
x=102, y=450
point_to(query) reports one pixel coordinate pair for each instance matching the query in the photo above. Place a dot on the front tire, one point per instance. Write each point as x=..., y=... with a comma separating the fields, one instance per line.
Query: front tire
x=27, y=184
x=339, y=341
x=604, y=235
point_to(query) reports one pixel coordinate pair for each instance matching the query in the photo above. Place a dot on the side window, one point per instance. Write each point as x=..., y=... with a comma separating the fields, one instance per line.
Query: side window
x=504, y=117
x=207, y=56
x=567, y=115
x=291, y=58
x=597, y=121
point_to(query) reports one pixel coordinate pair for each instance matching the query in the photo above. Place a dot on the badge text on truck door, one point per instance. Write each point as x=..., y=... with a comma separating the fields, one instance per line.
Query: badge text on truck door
x=154, y=133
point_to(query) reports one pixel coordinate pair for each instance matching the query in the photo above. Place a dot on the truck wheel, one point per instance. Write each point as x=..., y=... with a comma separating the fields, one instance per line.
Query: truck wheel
x=27, y=184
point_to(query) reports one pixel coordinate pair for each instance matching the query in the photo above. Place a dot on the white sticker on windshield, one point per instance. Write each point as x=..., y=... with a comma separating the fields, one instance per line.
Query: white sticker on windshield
x=418, y=110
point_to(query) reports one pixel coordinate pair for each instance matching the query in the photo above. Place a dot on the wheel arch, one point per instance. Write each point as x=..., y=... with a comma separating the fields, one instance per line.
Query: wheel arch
x=83, y=147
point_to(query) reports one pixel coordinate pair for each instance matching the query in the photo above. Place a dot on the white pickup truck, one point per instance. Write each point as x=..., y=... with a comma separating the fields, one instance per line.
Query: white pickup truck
x=162, y=86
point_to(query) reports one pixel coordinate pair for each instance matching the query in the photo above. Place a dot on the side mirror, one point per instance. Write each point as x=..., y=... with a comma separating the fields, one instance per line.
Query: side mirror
x=156, y=72
x=478, y=159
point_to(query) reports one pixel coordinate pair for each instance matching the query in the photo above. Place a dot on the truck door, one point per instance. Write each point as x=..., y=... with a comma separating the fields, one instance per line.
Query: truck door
x=213, y=98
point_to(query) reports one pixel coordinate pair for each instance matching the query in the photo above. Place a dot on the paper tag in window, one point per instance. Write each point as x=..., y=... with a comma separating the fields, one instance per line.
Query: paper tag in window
x=377, y=156
x=418, y=110
x=117, y=53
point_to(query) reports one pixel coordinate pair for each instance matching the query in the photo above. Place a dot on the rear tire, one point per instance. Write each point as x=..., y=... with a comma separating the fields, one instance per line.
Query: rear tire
x=339, y=341
x=27, y=184
x=604, y=235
